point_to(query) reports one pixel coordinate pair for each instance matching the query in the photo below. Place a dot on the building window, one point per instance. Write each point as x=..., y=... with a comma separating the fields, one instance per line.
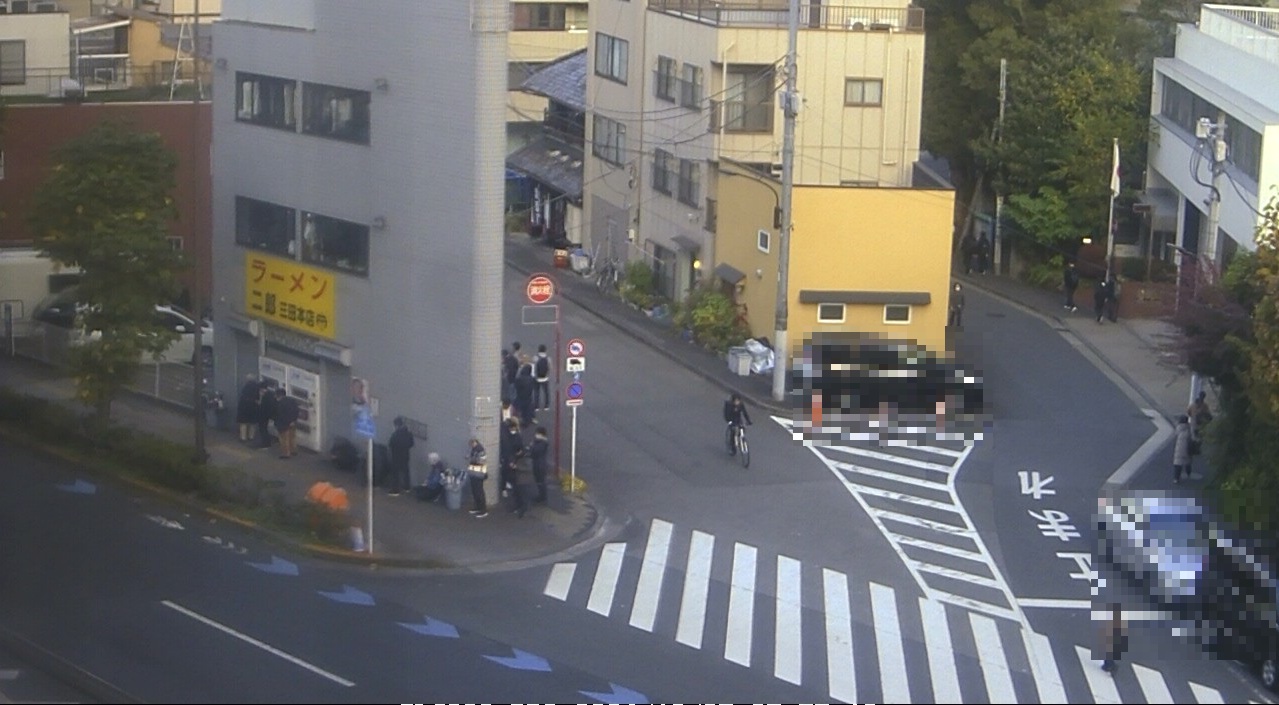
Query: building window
x=690, y=94
x=13, y=62
x=175, y=242
x=1183, y=108
x=265, y=226
x=266, y=100
x=863, y=92
x=664, y=86
x=763, y=241
x=712, y=215
x=690, y=177
x=336, y=113
x=662, y=171
x=897, y=314
x=517, y=72
x=608, y=140
x=748, y=99
x=830, y=313
x=611, y=57
x=538, y=16
x=337, y=244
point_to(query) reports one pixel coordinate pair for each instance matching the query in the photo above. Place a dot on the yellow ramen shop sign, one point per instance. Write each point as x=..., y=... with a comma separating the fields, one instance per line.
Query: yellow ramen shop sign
x=290, y=294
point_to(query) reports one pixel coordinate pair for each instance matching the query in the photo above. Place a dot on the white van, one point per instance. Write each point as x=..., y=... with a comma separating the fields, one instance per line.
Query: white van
x=61, y=310
x=26, y=279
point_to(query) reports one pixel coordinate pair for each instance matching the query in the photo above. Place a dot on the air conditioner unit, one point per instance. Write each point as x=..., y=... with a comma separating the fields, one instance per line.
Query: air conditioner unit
x=46, y=7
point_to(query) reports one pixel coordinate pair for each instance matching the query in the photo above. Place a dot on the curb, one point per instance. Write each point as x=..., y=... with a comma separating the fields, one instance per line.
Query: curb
x=313, y=550
x=63, y=670
x=670, y=355
x=1061, y=324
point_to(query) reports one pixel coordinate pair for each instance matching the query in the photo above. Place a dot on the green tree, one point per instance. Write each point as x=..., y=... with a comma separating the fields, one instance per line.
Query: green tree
x=105, y=207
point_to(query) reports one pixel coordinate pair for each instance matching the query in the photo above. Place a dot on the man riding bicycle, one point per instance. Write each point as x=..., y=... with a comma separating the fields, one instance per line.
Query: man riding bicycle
x=735, y=413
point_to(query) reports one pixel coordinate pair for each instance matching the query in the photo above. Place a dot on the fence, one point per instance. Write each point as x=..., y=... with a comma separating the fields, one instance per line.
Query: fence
x=172, y=382
x=119, y=82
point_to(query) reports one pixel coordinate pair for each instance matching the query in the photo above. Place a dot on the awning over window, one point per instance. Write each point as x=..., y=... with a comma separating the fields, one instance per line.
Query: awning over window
x=729, y=273
x=686, y=243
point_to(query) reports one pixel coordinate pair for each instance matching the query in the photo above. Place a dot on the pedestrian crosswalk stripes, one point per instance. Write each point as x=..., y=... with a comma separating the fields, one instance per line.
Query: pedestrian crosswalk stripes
x=908, y=647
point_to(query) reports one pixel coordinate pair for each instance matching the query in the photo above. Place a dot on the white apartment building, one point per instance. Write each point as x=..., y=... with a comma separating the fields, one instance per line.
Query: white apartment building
x=1224, y=69
x=35, y=48
x=677, y=84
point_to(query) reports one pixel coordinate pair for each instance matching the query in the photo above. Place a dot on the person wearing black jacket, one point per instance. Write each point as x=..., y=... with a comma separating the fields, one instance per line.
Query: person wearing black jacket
x=524, y=388
x=401, y=443
x=1069, y=283
x=266, y=413
x=510, y=452
x=246, y=408
x=477, y=470
x=537, y=451
x=542, y=375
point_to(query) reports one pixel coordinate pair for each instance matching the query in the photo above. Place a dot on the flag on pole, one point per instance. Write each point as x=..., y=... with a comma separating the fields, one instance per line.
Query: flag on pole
x=1114, y=173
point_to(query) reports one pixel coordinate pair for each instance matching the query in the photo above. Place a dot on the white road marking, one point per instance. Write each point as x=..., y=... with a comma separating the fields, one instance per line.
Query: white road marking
x=605, y=583
x=1152, y=685
x=891, y=476
x=1054, y=603
x=910, y=499
x=560, y=580
x=741, y=606
x=787, y=644
x=888, y=642
x=956, y=551
x=954, y=574
x=990, y=652
x=840, y=674
x=697, y=576
x=1044, y=667
x=1204, y=694
x=261, y=645
x=1101, y=684
x=921, y=523
x=899, y=459
x=941, y=655
x=649, y=589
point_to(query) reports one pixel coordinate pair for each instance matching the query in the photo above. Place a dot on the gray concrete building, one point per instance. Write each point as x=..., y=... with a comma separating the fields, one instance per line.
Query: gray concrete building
x=357, y=211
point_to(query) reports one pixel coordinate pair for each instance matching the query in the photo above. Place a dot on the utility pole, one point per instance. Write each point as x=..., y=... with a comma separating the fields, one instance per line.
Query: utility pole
x=1110, y=221
x=790, y=108
x=197, y=296
x=489, y=23
x=1215, y=135
x=998, y=245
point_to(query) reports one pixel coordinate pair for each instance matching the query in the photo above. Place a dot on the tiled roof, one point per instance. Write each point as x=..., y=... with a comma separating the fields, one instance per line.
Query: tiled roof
x=562, y=80
x=552, y=162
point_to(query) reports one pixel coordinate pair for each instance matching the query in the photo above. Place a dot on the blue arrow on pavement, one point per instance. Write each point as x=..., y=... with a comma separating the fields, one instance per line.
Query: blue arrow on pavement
x=278, y=565
x=523, y=661
x=619, y=695
x=350, y=596
x=79, y=487
x=432, y=627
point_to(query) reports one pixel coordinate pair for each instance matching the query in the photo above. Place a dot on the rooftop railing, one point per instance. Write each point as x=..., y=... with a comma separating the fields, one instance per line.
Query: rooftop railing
x=774, y=14
x=1251, y=29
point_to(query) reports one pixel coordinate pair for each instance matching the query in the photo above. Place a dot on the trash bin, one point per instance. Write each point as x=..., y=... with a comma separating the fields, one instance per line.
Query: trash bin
x=561, y=258
x=739, y=361
x=454, y=481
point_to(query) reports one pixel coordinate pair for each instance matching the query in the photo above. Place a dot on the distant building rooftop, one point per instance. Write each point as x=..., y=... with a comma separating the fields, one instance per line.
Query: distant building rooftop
x=1251, y=29
x=562, y=80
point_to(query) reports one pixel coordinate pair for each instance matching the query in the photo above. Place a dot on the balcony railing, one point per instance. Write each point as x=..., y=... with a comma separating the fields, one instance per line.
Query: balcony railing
x=1251, y=29
x=773, y=14
x=741, y=116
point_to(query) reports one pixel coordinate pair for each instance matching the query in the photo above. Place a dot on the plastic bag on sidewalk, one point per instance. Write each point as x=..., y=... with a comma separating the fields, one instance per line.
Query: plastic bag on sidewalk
x=762, y=359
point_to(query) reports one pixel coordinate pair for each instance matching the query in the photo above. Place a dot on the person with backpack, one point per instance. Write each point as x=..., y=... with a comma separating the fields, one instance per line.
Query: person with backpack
x=542, y=376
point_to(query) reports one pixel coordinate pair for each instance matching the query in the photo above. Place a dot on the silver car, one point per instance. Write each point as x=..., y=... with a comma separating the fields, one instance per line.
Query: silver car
x=1163, y=541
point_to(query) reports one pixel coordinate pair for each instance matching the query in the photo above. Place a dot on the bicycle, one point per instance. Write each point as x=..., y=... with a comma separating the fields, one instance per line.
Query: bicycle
x=735, y=437
x=609, y=276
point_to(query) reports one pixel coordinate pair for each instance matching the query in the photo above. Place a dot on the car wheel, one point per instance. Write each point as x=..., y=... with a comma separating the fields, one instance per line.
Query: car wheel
x=1268, y=671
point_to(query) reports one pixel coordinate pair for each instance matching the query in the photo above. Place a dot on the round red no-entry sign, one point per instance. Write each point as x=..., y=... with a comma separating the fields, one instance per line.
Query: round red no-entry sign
x=540, y=289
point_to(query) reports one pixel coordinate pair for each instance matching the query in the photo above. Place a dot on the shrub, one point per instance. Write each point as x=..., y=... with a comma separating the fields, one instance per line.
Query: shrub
x=1045, y=275
x=712, y=317
x=639, y=284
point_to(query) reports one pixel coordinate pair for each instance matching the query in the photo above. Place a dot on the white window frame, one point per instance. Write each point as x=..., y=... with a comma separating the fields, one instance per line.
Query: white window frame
x=843, y=313
x=910, y=314
x=764, y=241
x=866, y=85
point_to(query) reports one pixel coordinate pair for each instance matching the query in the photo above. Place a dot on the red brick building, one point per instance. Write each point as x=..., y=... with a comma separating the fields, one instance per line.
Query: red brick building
x=33, y=132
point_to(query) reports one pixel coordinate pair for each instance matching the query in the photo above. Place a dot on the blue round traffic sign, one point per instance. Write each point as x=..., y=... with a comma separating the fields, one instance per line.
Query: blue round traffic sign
x=575, y=390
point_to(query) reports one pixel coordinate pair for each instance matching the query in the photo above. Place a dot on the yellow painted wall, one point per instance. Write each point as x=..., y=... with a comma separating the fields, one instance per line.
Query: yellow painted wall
x=845, y=239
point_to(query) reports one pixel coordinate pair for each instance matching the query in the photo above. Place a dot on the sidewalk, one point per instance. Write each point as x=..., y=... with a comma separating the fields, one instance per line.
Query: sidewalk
x=529, y=256
x=405, y=531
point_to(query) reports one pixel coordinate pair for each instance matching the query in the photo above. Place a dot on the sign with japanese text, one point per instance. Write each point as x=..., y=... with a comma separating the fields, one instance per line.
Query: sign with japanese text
x=290, y=294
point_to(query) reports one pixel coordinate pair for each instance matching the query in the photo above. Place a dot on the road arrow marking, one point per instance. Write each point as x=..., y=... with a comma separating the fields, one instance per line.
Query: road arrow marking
x=524, y=661
x=166, y=523
x=350, y=596
x=1035, y=485
x=432, y=627
x=619, y=695
x=277, y=566
x=79, y=487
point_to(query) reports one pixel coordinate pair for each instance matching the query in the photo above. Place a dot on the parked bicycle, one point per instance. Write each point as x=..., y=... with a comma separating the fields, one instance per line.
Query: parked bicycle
x=609, y=276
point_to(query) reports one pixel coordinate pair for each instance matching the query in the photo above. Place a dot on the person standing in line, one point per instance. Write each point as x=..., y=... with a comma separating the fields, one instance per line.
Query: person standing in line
x=956, y=307
x=537, y=451
x=968, y=251
x=401, y=445
x=266, y=413
x=1114, y=640
x=524, y=389
x=1069, y=283
x=286, y=422
x=1100, y=298
x=542, y=376
x=983, y=254
x=477, y=472
x=511, y=368
x=1181, y=450
x=246, y=408
x=510, y=453
x=1112, y=298
x=1200, y=415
